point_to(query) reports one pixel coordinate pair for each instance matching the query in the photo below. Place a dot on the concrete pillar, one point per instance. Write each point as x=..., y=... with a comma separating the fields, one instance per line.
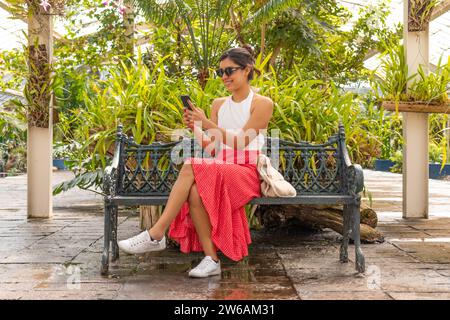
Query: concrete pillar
x=40, y=138
x=39, y=173
x=415, y=132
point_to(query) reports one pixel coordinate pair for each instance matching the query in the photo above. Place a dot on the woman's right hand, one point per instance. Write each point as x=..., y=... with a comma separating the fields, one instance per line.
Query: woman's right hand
x=187, y=120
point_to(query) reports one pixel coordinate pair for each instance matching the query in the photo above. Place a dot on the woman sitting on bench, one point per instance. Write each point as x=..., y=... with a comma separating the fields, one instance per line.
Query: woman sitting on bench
x=205, y=209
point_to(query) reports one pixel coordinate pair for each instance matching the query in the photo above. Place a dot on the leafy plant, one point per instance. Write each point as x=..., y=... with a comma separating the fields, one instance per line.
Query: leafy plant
x=253, y=220
x=436, y=154
x=13, y=135
x=205, y=22
x=87, y=181
x=314, y=36
x=432, y=87
x=419, y=13
x=386, y=127
x=13, y=69
x=63, y=150
x=309, y=110
x=390, y=82
x=145, y=101
x=397, y=157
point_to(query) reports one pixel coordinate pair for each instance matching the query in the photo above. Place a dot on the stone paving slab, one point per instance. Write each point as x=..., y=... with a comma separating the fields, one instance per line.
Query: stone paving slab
x=333, y=295
x=59, y=258
x=419, y=295
x=413, y=280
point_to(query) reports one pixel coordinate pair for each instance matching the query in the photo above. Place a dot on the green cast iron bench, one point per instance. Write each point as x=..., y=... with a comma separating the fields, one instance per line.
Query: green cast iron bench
x=321, y=174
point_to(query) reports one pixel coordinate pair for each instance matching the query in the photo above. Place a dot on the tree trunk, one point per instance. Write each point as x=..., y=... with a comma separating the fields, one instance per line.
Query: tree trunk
x=237, y=28
x=275, y=54
x=129, y=28
x=318, y=217
x=148, y=216
x=203, y=77
x=263, y=39
x=179, y=32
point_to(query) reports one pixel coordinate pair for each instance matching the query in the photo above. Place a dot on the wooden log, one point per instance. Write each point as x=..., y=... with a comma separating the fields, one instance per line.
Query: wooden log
x=318, y=217
x=368, y=215
x=148, y=215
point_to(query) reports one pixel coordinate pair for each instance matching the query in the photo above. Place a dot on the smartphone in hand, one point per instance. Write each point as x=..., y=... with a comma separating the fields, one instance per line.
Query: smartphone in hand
x=185, y=98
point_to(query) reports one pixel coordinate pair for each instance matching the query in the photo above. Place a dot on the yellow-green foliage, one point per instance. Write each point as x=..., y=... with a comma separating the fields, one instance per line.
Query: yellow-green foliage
x=147, y=103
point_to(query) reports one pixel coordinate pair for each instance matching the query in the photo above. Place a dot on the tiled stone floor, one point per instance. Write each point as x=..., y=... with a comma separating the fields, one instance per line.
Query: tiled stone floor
x=59, y=258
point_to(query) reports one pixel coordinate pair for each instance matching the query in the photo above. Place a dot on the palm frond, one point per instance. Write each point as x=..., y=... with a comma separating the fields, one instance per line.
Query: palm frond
x=158, y=13
x=272, y=6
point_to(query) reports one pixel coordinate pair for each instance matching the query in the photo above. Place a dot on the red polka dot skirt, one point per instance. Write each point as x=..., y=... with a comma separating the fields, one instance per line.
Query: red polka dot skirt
x=225, y=184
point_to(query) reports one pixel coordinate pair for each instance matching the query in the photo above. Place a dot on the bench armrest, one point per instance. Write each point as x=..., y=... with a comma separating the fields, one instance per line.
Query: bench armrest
x=353, y=173
x=355, y=179
x=110, y=175
x=109, y=181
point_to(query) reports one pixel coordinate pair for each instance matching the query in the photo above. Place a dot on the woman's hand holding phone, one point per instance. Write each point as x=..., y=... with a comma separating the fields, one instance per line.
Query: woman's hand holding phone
x=187, y=120
x=192, y=113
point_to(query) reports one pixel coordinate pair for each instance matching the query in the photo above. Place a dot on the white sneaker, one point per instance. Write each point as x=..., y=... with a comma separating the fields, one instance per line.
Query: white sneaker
x=142, y=243
x=207, y=267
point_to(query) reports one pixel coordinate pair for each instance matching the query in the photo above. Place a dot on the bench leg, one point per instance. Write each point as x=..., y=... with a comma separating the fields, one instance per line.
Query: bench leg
x=107, y=237
x=359, y=257
x=347, y=214
x=114, y=219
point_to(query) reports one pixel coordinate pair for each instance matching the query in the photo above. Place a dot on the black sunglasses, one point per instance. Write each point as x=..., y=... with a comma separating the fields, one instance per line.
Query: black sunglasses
x=228, y=71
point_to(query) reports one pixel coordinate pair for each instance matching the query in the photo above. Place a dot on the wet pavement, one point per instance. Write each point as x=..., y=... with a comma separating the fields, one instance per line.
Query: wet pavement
x=59, y=258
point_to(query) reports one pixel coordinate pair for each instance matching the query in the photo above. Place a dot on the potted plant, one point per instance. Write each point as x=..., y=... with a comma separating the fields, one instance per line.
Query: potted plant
x=384, y=164
x=60, y=154
x=437, y=168
x=427, y=94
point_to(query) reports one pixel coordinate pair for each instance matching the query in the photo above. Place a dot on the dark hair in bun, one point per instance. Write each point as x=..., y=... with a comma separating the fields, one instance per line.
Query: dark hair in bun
x=242, y=56
x=250, y=50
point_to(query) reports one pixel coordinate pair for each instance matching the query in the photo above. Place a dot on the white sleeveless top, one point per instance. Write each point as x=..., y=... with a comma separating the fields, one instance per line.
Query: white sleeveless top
x=234, y=115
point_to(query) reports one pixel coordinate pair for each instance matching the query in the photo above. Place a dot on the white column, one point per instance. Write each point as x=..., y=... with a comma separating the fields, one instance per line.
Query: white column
x=39, y=143
x=39, y=173
x=415, y=132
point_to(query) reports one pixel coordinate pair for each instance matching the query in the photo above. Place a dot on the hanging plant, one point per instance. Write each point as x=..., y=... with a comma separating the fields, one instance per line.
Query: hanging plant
x=427, y=93
x=419, y=13
x=38, y=90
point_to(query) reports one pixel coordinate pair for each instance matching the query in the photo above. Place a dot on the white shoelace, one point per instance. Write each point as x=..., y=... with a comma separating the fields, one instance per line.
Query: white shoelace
x=137, y=240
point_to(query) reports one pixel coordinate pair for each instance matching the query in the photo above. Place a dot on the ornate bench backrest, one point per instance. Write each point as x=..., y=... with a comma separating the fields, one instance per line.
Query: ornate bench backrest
x=310, y=168
x=153, y=169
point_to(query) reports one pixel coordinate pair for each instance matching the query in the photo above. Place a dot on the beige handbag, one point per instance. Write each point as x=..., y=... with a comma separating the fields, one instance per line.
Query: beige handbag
x=272, y=182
